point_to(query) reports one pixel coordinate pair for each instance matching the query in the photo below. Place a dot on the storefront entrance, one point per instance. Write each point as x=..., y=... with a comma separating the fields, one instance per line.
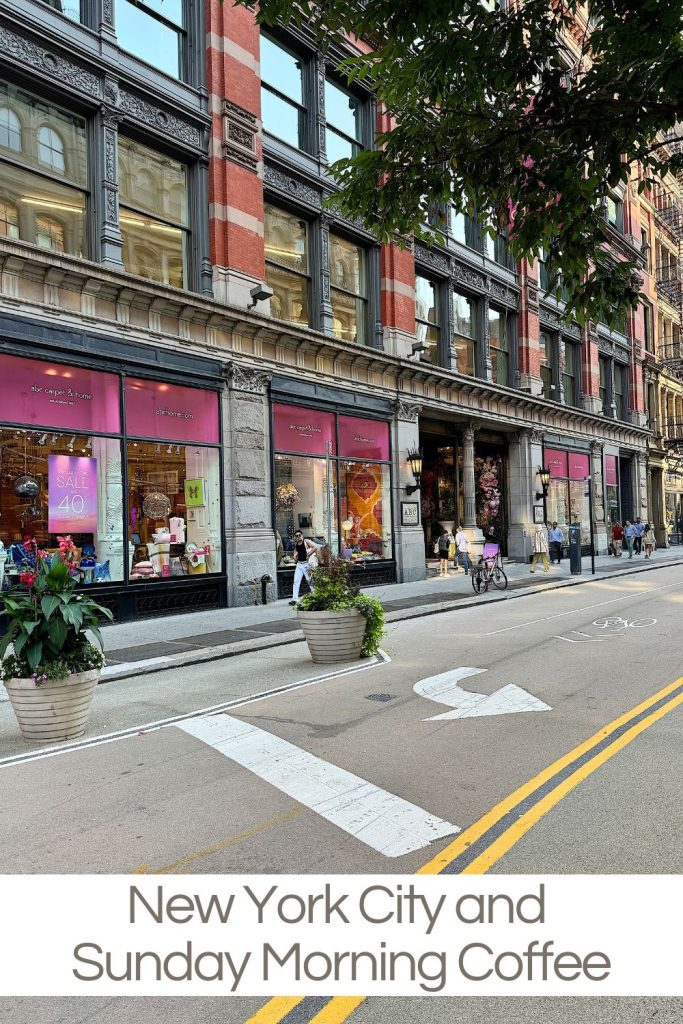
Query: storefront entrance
x=443, y=483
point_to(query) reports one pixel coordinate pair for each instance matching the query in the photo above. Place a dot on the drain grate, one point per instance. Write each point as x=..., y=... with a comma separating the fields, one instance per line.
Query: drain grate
x=381, y=697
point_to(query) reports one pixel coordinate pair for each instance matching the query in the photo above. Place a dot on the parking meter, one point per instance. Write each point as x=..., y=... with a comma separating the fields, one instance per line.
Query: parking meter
x=575, y=549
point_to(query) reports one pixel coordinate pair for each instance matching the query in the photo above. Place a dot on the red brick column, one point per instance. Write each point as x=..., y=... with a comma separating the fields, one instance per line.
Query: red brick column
x=529, y=356
x=590, y=370
x=235, y=164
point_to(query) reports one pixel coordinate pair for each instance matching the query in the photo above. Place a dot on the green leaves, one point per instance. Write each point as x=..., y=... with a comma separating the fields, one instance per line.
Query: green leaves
x=494, y=106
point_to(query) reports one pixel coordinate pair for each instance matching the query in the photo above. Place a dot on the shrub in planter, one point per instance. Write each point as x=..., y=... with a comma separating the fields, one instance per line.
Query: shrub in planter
x=53, y=668
x=339, y=622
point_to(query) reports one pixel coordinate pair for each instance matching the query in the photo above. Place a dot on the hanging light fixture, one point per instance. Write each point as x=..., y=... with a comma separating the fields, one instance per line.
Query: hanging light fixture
x=415, y=459
x=71, y=443
x=544, y=477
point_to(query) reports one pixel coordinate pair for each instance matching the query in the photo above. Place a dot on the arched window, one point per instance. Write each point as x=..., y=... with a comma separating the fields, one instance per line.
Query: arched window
x=10, y=130
x=50, y=148
x=49, y=234
x=9, y=221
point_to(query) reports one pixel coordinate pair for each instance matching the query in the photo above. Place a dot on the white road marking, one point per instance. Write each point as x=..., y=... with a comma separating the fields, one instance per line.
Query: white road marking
x=126, y=666
x=585, y=608
x=587, y=638
x=444, y=689
x=379, y=819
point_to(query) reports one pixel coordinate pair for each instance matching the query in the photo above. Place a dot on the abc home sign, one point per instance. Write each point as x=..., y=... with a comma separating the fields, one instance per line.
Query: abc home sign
x=72, y=494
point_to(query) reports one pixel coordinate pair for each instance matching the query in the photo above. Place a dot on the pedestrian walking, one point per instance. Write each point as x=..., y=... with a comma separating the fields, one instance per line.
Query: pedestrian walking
x=462, y=550
x=444, y=544
x=649, y=540
x=629, y=536
x=305, y=558
x=540, y=549
x=556, y=541
x=639, y=527
x=617, y=538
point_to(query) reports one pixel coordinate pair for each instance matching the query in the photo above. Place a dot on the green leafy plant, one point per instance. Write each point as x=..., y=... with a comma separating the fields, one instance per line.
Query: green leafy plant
x=49, y=622
x=334, y=592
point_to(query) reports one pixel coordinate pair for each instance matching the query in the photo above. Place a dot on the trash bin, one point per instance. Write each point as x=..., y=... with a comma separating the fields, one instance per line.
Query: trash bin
x=575, y=549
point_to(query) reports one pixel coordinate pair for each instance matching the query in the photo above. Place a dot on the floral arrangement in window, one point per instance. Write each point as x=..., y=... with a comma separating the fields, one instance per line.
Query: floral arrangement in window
x=286, y=497
x=488, y=497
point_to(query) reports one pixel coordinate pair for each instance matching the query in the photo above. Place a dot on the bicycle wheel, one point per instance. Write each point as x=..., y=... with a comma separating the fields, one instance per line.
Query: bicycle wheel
x=500, y=580
x=480, y=580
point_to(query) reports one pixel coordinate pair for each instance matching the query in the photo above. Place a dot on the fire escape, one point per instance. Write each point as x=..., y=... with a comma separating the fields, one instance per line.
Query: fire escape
x=669, y=207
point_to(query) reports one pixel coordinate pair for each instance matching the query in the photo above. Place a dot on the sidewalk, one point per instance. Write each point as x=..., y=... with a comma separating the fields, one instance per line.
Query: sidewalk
x=151, y=645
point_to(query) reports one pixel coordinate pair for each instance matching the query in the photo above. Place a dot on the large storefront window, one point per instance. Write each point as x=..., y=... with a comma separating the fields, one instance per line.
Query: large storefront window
x=567, y=500
x=332, y=482
x=174, y=509
x=611, y=490
x=147, y=513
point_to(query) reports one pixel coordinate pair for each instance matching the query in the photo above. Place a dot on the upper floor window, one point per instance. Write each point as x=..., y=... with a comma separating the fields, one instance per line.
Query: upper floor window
x=153, y=30
x=50, y=148
x=344, y=117
x=287, y=270
x=546, y=345
x=348, y=292
x=620, y=391
x=464, y=334
x=614, y=213
x=153, y=193
x=648, y=340
x=570, y=373
x=9, y=221
x=72, y=8
x=43, y=173
x=605, y=385
x=645, y=247
x=427, y=315
x=283, y=108
x=499, y=343
x=501, y=252
x=10, y=130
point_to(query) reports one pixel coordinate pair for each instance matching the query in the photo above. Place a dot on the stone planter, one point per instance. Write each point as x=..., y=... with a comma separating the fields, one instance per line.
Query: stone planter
x=333, y=636
x=56, y=710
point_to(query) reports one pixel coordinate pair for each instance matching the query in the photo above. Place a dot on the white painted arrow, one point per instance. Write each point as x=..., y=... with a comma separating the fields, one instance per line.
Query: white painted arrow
x=444, y=689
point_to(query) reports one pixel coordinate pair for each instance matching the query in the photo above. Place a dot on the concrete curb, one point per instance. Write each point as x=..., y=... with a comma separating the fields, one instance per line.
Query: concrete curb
x=206, y=654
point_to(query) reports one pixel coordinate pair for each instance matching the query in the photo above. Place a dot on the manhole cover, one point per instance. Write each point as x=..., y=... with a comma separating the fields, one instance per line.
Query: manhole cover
x=381, y=697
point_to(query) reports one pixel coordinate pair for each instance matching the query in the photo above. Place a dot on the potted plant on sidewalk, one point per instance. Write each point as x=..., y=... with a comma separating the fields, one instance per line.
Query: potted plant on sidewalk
x=339, y=623
x=52, y=670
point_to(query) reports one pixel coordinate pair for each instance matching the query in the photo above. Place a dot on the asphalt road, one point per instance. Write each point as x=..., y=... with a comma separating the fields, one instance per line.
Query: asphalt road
x=601, y=659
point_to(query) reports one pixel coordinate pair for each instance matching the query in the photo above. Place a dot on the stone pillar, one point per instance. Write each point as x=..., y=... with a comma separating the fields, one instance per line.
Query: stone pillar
x=469, y=494
x=640, y=507
x=326, y=312
x=249, y=536
x=600, y=538
x=409, y=541
x=525, y=456
x=590, y=370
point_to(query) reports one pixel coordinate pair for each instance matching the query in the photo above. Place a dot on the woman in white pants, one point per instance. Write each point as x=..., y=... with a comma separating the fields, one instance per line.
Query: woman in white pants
x=303, y=548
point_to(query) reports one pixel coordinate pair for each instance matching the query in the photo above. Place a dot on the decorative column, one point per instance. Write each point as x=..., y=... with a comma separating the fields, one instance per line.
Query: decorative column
x=486, y=364
x=640, y=507
x=326, y=314
x=409, y=539
x=249, y=536
x=107, y=129
x=468, y=476
x=525, y=449
x=469, y=492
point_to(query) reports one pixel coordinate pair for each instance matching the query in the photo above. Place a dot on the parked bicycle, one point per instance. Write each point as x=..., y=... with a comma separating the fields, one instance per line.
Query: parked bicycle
x=489, y=569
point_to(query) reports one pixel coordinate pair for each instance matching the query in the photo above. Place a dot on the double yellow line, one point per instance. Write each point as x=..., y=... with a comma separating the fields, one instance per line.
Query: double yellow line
x=482, y=845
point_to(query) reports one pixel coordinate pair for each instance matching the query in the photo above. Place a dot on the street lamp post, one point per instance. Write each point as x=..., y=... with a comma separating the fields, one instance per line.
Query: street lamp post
x=544, y=477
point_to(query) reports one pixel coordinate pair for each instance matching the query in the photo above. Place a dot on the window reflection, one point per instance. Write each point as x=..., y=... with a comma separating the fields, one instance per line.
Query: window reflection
x=343, y=113
x=286, y=251
x=153, y=196
x=348, y=289
x=426, y=316
x=152, y=30
x=463, y=330
x=282, y=99
x=499, y=346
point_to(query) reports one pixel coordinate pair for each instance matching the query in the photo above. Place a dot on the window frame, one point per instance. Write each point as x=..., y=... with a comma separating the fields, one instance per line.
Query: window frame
x=620, y=393
x=188, y=231
x=357, y=145
x=475, y=337
x=311, y=250
x=551, y=348
x=304, y=107
x=338, y=232
x=573, y=347
x=45, y=171
x=433, y=355
x=182, y=31
x=508, y=350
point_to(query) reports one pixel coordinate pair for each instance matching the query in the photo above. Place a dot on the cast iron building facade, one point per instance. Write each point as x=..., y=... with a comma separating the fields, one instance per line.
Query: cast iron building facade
x=160, y=164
